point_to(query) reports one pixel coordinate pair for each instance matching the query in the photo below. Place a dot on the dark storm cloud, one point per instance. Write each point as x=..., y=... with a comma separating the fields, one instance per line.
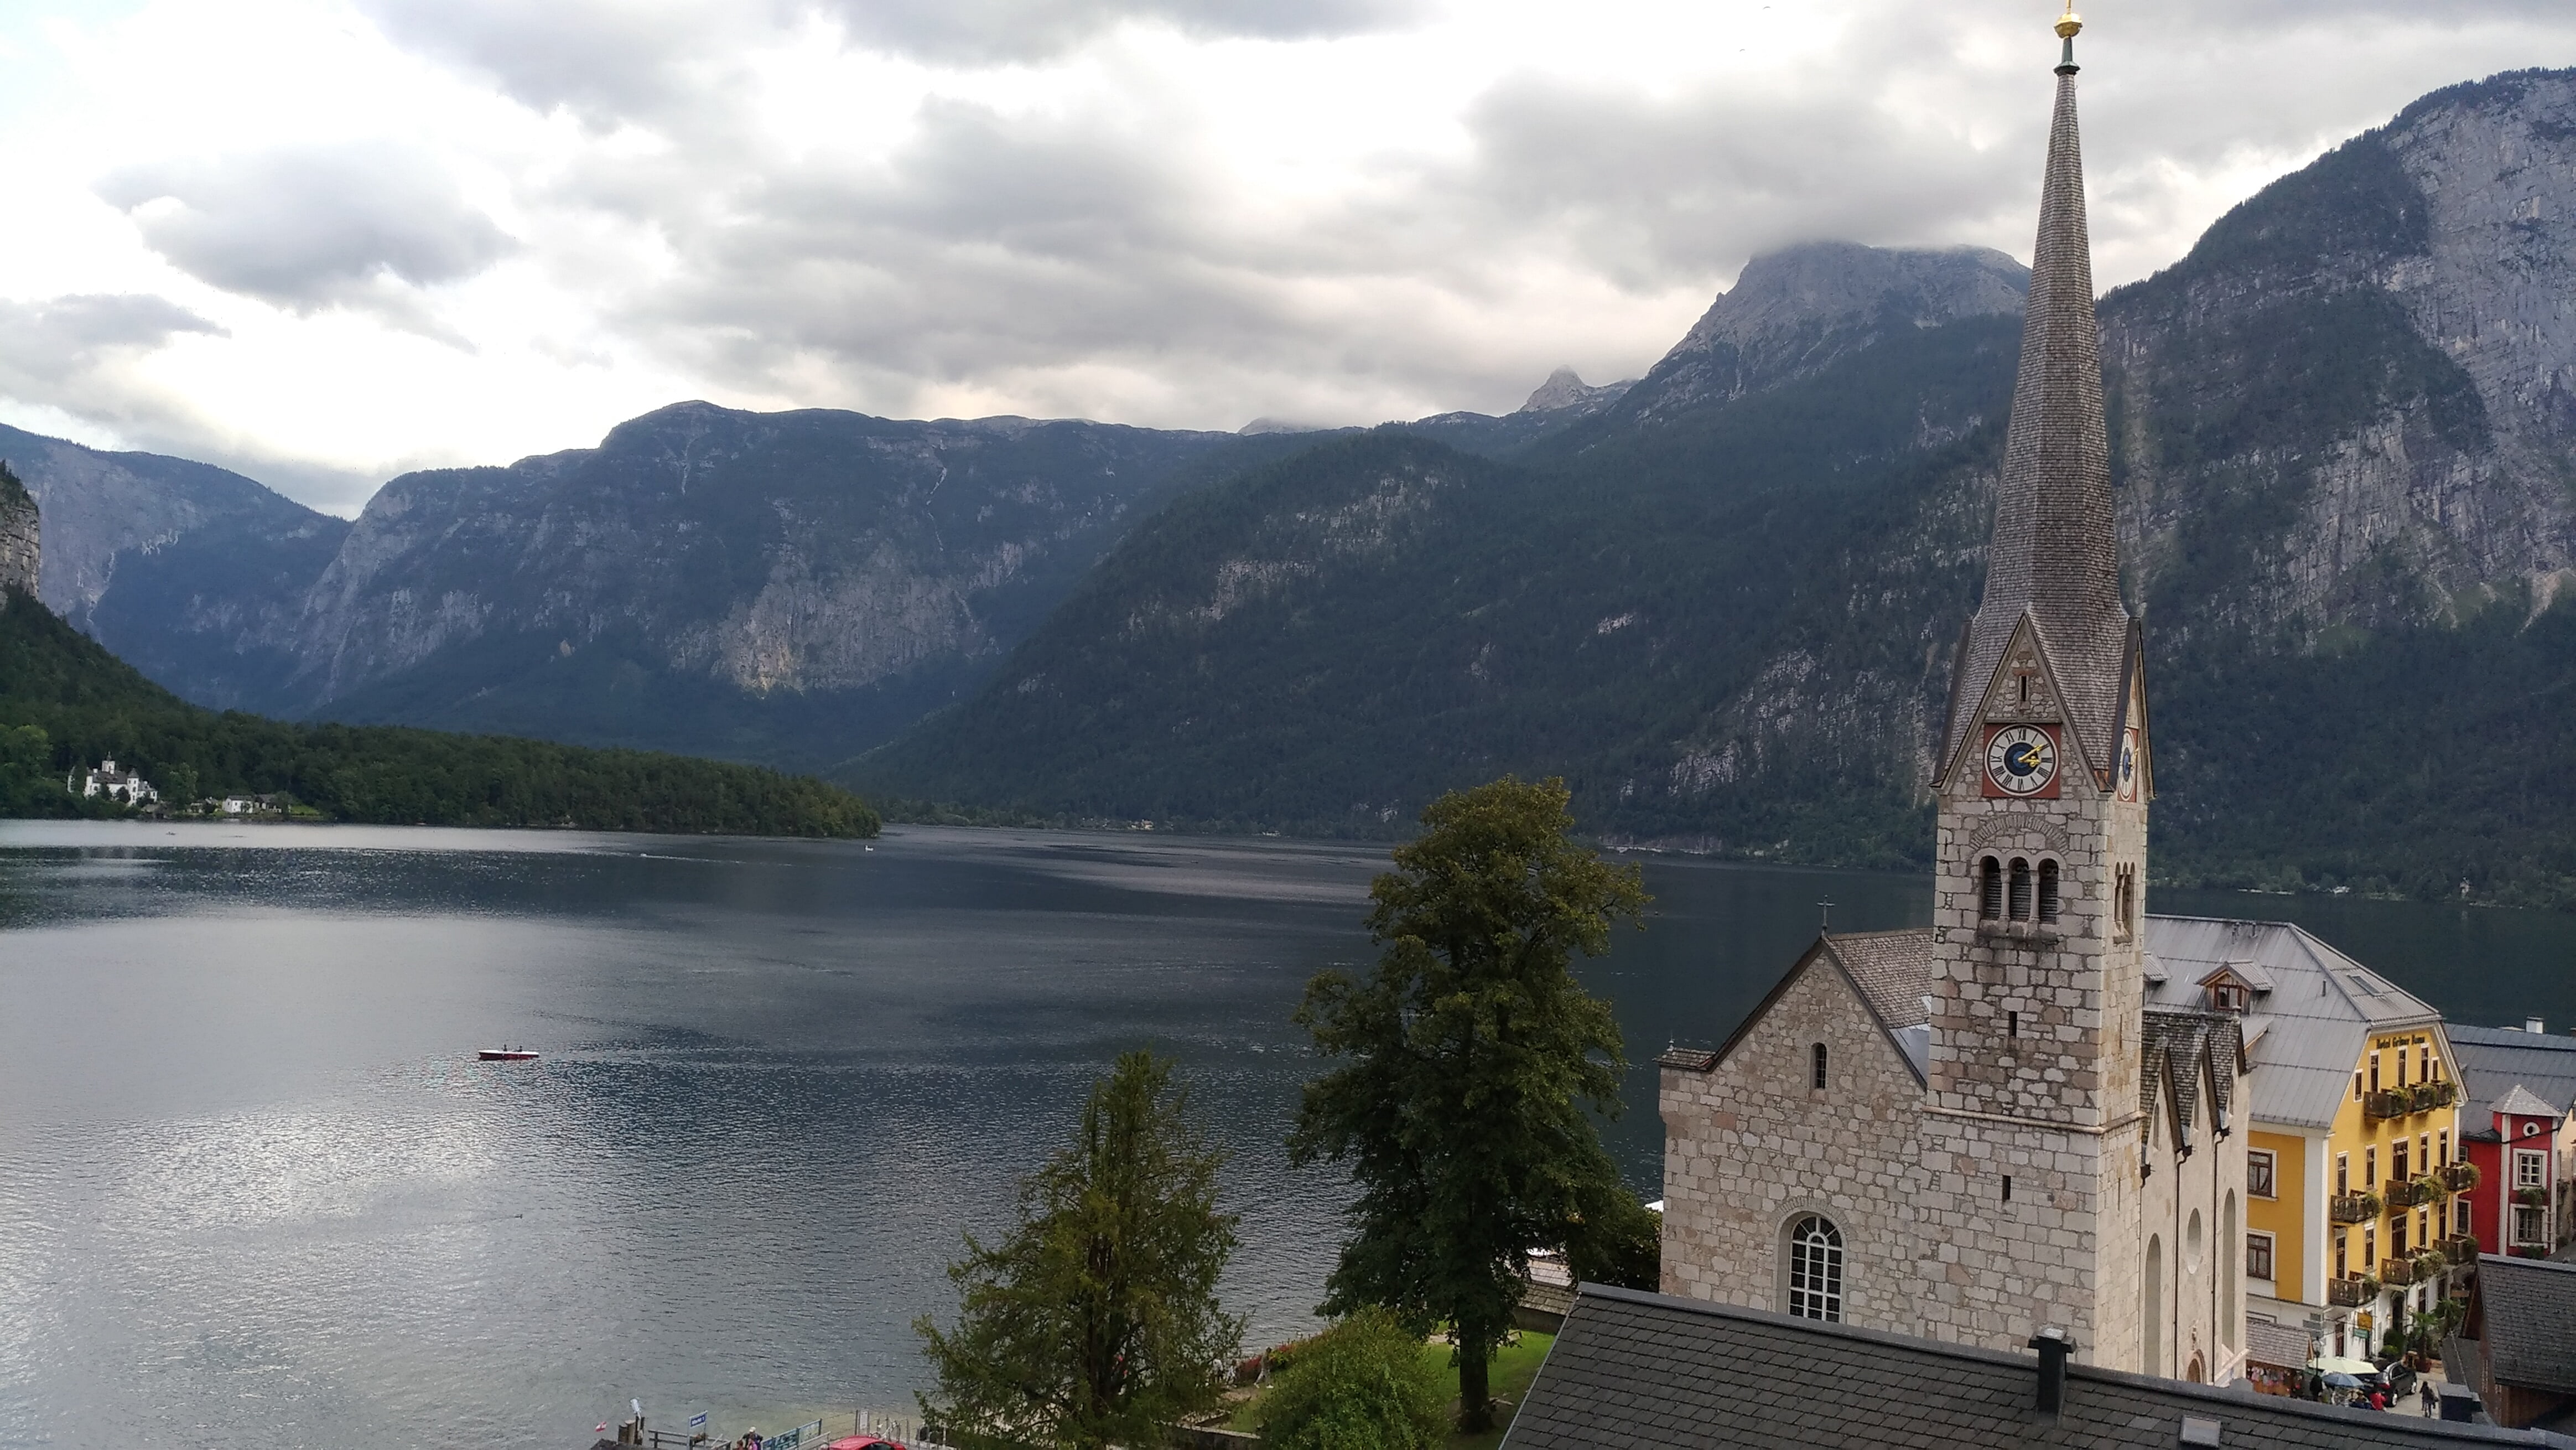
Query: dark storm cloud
x=310, y=227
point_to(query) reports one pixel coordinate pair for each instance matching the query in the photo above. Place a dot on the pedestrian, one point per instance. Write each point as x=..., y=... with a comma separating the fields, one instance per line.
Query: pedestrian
x=2378, y=1398
x=2424, y=1390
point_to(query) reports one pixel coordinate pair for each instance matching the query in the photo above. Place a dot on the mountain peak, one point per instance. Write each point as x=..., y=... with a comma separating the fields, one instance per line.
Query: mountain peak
x=1565, y=388
x=1794, y=310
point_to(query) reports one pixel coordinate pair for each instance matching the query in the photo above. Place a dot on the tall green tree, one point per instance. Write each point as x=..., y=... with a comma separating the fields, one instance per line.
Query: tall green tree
x=1471, y=1064
x=1096, y=1322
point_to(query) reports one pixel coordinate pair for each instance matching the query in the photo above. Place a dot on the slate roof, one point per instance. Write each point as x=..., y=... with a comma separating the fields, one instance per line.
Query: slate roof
x=1893, y=969
x=2493, y=1059
x=1635, y=1370
x=2322, y=1007
x=2186, y=1055
x=2054, y=557
x=2282, y=1346
x=2522, y=1103
x=2528, y=1309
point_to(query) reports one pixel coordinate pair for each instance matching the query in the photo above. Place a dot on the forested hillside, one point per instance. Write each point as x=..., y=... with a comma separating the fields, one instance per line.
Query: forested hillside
x=65, y=703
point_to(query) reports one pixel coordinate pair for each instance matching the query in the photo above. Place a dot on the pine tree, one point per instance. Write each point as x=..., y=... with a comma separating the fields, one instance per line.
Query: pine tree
x=1096, y=1322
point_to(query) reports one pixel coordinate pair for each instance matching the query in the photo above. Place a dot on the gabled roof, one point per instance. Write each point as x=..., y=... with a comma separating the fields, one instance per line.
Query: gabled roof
x=1888, y=970
x=2519, y=1102
x=2495, y=1059
x=2527, y=1322
x=2322, y=1008
x=2185, y=1056
x=1640, y=1371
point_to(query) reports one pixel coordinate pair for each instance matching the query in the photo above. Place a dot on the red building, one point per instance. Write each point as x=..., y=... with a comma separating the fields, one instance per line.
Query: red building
x=2517, y=1129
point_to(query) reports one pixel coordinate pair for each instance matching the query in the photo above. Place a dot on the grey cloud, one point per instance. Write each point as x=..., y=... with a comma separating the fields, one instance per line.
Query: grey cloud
x=1006, y=30
x=658, y=64
x=311, y=227
x=63, y=337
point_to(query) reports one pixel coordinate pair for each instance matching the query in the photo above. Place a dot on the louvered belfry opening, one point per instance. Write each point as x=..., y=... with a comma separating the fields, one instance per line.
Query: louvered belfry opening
x=1990, y=889
x=2020, y=889
x=2048, y=891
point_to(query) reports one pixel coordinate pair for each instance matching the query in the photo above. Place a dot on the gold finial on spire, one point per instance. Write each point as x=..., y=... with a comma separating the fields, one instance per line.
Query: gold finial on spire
x=2069, y=23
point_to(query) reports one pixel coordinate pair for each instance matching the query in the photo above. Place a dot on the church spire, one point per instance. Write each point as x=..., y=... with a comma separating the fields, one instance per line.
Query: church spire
x=2055, y=556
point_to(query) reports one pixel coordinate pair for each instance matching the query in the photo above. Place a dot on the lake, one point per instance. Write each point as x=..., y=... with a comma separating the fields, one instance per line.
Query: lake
x=255, y=1191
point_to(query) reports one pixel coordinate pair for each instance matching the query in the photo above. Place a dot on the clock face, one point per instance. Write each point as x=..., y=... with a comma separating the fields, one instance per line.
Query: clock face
x=2129, y=766
x=2021, y=760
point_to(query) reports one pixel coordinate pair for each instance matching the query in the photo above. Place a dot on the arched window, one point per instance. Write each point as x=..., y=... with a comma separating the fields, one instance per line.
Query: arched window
x=2124, y=903
x=1990, y=889
x=2048, y=891
x=1816, y=1269
x=1816, y=1073
x=2020, y=889
x=2155, y=1296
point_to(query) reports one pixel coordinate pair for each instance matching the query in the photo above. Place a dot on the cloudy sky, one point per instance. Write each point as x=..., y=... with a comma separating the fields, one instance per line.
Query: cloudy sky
x=323, y=241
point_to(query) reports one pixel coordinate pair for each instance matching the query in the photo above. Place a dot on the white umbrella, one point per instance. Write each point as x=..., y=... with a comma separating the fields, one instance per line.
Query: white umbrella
x=2343, y=1364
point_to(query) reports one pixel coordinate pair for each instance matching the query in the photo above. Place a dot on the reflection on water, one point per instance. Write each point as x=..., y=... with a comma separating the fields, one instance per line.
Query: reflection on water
x=254, y=1191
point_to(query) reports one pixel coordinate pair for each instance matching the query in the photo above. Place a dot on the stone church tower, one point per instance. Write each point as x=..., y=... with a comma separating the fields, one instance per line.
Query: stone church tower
x=2037, y=975
x=1978, y=1130
x=18, y=537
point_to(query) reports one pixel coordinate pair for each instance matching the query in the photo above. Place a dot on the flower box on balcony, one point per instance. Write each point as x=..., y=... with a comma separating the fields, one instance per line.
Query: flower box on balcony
x=2459, y=1177
x=2531, y=1197
x=2530, y=1251
x=2412, y=1192
x=2396, y=1104
x=2397, y=1271
x=2463, y=1248
x=2430, y=1264
x=2350, y=1293
x=2432, y=1095
x=2354, y=1207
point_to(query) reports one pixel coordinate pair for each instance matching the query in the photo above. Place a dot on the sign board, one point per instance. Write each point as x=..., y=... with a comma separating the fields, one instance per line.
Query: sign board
x=698, y=1420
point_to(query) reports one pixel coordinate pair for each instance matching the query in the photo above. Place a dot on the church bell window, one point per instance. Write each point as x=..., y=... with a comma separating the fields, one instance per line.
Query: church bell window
x=2020, y=889
x=1990, y=889
x=2048, y=891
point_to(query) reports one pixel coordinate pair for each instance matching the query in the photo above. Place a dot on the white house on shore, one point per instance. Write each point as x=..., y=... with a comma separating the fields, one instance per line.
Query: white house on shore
x=122, y=786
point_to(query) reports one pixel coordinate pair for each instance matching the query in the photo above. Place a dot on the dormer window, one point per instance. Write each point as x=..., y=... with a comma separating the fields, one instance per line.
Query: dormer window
x=2227, y=997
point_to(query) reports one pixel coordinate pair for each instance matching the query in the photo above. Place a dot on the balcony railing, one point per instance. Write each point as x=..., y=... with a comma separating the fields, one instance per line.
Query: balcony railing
x=2431, y=1263
x=2397, y=1271
x=2459, y=1177
x=2351, y=1293
x=2413, y=1191
x=2387, y=1104
x=2463, y=1248
x=2354, y=1207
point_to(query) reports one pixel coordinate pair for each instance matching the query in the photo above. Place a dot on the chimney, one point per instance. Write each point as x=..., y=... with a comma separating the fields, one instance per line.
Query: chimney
x=2533, y=1026
x=2054, y=1346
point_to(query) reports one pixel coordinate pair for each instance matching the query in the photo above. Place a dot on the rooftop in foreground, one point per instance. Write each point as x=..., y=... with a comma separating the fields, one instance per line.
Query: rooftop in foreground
x=1639, y=1370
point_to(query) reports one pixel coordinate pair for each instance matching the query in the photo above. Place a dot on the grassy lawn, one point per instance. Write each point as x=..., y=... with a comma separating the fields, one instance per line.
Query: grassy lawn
x=1513, y=1369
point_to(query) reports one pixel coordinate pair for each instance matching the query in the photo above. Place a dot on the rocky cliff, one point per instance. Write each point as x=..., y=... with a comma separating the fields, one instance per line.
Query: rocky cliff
x=192, y=573
x=789, y=586
x=20, y=537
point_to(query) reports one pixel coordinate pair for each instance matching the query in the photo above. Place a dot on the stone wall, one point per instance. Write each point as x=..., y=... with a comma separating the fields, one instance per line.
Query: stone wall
x=1749, y=1147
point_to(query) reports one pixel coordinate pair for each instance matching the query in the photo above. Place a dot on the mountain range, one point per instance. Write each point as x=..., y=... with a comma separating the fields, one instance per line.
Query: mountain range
x=1720, y=600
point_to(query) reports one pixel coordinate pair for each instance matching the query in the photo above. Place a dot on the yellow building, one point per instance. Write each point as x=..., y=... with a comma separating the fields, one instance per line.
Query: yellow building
x=2350, y=1206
